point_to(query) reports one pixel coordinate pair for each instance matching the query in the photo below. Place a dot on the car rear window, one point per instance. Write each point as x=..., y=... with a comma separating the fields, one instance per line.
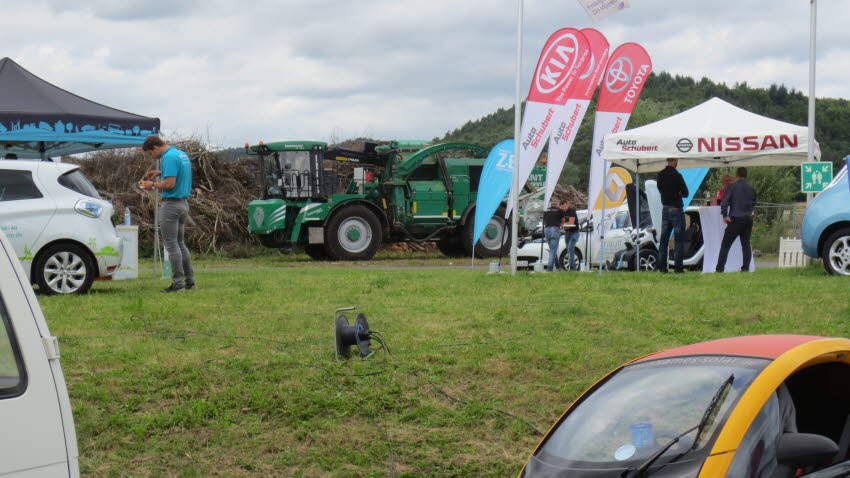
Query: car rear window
x=16, y=185
x=76, y=181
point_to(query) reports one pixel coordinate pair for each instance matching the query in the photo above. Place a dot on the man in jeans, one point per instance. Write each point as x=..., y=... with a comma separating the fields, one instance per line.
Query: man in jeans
x=672, y=187
x=176, y=185
x=737, y=210
x=553, y=218
x=571, y=228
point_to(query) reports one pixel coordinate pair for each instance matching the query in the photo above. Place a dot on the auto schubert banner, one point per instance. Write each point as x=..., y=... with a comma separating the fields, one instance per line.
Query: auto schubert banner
x=495, y=183
x=627, y=71
x=563, y=59
x=569, y=117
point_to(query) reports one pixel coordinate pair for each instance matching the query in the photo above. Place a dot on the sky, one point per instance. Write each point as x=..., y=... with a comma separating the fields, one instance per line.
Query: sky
x=329, y=70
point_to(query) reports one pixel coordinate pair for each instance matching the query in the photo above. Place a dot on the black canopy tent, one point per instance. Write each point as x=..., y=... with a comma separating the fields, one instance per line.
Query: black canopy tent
x=38, y=119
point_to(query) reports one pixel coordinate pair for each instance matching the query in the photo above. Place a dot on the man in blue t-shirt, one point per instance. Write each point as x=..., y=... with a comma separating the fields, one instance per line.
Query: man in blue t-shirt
x=176, y=185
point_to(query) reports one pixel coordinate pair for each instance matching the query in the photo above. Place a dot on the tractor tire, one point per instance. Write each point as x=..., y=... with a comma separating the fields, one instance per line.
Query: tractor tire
x=64, y=269
x=451, y=245
x=275, y=240
x=836, y=252
x=353, y=234
x=488, y=243
x=316, y=252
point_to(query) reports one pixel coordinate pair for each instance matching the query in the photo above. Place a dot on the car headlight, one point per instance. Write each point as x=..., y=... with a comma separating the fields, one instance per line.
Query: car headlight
x=88, y=208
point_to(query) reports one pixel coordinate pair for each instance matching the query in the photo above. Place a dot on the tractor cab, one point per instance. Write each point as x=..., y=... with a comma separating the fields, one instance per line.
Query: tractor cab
x=290, y=169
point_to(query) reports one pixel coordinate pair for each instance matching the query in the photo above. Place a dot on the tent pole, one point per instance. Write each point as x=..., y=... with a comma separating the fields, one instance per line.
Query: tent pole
x=637, y=217
x=602, y=219
x=517, y=117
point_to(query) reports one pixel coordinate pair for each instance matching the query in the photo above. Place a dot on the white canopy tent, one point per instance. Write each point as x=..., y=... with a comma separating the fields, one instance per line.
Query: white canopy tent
x=710, y=135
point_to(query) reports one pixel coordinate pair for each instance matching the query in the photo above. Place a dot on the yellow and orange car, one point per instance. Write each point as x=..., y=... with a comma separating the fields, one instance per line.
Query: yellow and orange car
x=763, y=406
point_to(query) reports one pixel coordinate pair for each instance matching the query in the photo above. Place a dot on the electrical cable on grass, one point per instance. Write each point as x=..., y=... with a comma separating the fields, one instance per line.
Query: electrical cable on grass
x=182, y=334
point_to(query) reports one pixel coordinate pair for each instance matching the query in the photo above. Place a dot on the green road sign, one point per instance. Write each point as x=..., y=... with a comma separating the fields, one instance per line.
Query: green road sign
x=538, y=178
x=814, y=177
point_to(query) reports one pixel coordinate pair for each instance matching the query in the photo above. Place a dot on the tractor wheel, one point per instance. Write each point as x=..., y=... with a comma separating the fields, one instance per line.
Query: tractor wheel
x=316, y=251
x=495, y=240
x=275, y=240
x=353, y=234
x=451, y=245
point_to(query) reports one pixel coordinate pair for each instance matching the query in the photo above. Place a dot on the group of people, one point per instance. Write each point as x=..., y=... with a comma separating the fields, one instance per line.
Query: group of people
x=737, y=200
x=558, y=220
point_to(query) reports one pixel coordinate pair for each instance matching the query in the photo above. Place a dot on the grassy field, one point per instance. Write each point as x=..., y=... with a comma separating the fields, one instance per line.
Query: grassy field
x=238, y=378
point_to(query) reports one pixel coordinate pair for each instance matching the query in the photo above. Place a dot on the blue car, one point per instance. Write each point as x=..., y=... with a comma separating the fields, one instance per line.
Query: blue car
x=826, y=226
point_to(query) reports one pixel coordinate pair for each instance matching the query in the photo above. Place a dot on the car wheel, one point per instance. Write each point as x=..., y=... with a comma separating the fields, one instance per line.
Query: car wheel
x=316, y=251
x=836, y=253
x=564, y=259
x=64, y=269
x=648, y=260
x=353, y=234
x=488, y=244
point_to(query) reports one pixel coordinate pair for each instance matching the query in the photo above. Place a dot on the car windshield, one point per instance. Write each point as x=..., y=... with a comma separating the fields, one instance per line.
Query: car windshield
x=76, y=181
x=641, y=408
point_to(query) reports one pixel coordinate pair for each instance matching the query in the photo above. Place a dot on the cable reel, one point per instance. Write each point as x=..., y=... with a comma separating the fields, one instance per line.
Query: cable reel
x=347, y=335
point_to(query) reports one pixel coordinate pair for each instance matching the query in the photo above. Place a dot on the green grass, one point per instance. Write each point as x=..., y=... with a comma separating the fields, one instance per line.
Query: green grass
x=238, y=378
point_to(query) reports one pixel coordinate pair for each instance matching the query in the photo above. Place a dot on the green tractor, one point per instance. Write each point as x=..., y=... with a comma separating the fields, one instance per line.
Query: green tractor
x=401, y=191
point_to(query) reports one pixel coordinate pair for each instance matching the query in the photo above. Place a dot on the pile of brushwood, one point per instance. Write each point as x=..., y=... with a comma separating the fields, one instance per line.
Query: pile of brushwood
x=221, y=191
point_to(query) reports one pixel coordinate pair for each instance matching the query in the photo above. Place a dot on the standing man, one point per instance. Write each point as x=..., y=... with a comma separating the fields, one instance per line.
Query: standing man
x=553, y=219
x=737, y=210
x=176, y=185
x=571, y=228
x=672, y=187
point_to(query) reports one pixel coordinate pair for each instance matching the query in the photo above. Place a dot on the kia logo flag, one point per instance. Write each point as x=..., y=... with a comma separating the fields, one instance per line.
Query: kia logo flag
x=496, y=178
x=568, y=118
x=622, y=83
x=563, y=59
x=599, y=9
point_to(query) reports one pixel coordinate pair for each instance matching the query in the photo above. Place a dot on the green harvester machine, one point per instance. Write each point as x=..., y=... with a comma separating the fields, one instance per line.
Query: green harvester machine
x=401, y=191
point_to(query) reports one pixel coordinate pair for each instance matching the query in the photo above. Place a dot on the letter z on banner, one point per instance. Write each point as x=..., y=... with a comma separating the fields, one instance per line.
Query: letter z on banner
x=563, y=59
x=628, y=70
x=568, y=117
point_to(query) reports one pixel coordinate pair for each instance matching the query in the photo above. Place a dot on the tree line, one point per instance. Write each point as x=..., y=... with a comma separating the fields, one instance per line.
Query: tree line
x=665, y=95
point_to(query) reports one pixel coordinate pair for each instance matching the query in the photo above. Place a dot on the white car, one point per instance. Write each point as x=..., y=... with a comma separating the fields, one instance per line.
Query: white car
x=615, y=240
x=57, y=223
x=35, y=410
x=621, y=238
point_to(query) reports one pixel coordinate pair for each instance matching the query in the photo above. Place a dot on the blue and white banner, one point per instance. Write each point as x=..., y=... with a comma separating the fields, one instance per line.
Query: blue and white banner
x=495, y=183
x=693, y=179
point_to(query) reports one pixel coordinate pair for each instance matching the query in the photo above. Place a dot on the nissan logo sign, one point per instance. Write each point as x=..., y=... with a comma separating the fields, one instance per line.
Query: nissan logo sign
x=684, y=145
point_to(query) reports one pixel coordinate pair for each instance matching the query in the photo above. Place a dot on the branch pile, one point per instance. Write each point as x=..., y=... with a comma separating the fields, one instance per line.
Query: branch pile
x=218, y=206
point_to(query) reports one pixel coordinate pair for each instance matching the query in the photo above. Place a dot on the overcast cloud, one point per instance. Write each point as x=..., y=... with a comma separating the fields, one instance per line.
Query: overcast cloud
x=413, y=69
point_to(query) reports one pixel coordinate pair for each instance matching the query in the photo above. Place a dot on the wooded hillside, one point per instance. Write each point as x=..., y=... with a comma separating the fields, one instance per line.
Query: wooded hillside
x=665, y=95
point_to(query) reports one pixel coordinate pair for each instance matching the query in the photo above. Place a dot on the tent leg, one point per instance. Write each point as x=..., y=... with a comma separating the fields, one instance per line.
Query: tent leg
x=637, y=216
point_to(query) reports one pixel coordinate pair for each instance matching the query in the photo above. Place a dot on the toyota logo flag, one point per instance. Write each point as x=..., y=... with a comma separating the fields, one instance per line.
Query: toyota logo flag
x=568, y=117
x=563, y=59
x=627, y=71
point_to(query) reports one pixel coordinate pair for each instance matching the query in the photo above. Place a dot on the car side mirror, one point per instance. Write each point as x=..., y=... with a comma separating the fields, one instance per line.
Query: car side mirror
x=805, y=449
